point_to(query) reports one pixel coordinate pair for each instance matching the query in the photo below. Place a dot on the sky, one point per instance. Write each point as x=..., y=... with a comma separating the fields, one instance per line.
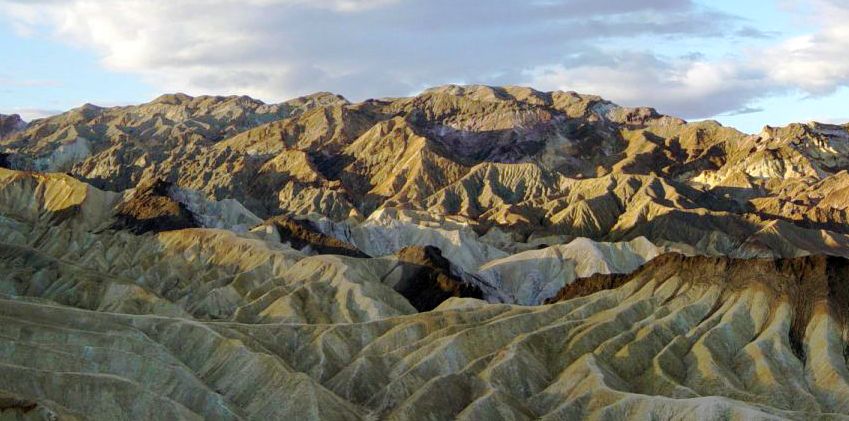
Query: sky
x=745, y=63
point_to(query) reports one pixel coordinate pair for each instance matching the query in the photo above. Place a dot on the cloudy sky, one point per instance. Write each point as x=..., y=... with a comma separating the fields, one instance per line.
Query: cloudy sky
x=746, y=63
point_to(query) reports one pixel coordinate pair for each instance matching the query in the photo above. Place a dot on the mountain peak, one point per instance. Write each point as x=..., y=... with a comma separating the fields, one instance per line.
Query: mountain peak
x=10, y=124
x=173, y=99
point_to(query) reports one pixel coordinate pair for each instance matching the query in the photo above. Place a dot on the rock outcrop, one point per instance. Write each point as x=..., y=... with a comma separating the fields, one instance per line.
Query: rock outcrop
x=11, y=124
x=807, y=285
x=149, y=208
x=426, y=278
x=300, y=234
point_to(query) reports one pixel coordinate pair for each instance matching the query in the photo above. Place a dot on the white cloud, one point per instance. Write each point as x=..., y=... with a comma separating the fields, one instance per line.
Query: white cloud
x=30, y=114
x=279, y=48
x=832, y=120
x=815, y=64
x=7, y=81
x=687, y=87
x=275, y=49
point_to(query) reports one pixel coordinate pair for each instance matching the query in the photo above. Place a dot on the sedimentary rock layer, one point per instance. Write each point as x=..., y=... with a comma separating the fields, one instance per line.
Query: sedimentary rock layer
x=468, y=253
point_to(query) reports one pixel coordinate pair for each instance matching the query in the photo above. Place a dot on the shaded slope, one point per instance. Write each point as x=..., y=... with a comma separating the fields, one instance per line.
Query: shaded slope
x=151, y=209
x=427, y=279
x=301, y=234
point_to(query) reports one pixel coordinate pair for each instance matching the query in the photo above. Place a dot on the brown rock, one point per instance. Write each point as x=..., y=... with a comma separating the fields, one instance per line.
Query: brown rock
x=301, y=234
x=427, y=280
x=151, y=209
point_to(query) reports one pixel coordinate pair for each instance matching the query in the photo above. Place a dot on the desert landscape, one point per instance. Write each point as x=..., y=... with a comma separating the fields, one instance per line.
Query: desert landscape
x=472, y=252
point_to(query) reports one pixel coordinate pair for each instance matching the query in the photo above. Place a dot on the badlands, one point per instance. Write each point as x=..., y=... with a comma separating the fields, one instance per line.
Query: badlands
x=472, y=252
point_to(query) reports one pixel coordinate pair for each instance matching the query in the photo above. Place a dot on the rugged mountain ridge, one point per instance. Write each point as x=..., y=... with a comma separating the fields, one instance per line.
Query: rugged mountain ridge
x=526, y=162
x=471, y=252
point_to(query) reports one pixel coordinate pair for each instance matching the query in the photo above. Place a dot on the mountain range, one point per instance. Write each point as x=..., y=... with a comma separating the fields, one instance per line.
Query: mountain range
x=472, y=252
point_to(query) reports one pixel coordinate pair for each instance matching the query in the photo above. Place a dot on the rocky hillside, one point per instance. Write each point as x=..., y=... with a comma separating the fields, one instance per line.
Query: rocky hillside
x=469, y=253
x=515, y=160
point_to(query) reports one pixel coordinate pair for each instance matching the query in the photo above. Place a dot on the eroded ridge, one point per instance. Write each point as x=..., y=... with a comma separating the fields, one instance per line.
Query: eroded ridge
x=468, y=253
x=709, y=337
